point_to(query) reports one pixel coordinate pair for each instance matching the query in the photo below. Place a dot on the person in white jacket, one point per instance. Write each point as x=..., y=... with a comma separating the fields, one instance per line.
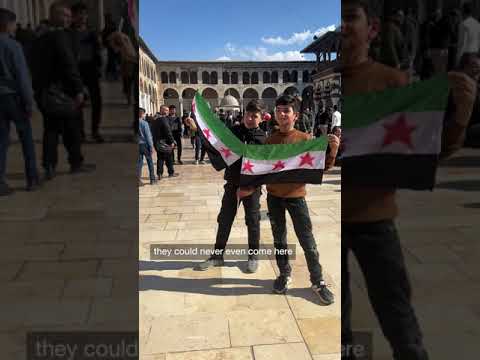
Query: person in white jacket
x=468, y=33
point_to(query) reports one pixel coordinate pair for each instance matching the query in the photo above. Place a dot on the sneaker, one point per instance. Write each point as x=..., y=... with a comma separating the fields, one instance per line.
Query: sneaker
x=173, y=175
x=212, y=261
x=180, y=162
x=252, y=265
x=33, y=184
x=323, y=293
x=84, y=168
x=282, y=284
x=196, y=162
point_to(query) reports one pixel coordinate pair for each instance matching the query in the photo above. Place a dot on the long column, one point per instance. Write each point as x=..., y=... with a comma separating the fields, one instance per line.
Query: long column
x=180, y=99
x=101, y=20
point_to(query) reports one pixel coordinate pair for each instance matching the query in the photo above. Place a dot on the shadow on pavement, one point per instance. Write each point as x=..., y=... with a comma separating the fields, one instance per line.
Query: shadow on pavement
x=211, y=286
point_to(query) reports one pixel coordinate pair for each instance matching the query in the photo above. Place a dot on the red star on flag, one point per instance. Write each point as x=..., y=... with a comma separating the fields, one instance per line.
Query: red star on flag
x=399, y=131
x=279, y=165
x=207, y=133
x=307, y=159
x=226, y=152
x=248, y=166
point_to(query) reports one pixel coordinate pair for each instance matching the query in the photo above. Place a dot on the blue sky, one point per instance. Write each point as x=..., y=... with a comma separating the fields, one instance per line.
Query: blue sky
x=258, y=30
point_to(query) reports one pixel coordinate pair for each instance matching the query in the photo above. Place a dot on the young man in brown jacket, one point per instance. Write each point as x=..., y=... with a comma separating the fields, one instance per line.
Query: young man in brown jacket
x=368, y=213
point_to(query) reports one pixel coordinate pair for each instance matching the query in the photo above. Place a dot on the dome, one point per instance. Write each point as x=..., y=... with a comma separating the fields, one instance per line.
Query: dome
x=229, y=101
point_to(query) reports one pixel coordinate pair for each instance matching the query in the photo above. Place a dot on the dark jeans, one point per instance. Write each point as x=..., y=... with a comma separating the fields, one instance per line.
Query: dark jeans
x=70, y=130
x=167, y=159
x=144, y=151
x=177, y=136
x=200, y=150
x=227, y=214
x=377, y=249
x=298, y=210
x=92, y=82
x=11, y=111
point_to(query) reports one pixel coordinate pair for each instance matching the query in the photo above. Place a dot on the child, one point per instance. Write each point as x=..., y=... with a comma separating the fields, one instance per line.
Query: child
x=368, y=213
x=291, y=197
x=249, y=133
x=145, y=144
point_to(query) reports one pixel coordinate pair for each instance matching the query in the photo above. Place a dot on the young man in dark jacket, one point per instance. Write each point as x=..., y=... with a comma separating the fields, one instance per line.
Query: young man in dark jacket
x=163, y=134
x=248, y=132
x=176, y=127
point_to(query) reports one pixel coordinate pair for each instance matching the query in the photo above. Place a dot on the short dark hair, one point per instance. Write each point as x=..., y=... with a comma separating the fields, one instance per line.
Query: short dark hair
x=172, y=107
x=289, y=100
x=78, y=7
x=363, y=4
x=255, y=106
x=7, y=17
x=468, y=8
x=335, y=107
x=141, y=109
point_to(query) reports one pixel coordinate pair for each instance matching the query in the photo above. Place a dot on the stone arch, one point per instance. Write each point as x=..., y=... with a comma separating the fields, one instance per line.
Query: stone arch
x=254, y=78
x=269, y=95
x=274, y=78
x=291, y=90
x=172, y=77
x=164, y=77
x=233, y=92
x=187, y=95
x=171, y=97
x=248, y=95
x=266, y=77
x=205, y=77
x=307, y=98
x=184, y=77
x=211, y=96
x=286, y=76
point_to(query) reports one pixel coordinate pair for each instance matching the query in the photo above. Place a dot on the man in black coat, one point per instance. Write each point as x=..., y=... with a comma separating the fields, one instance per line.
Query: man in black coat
x=162, y=139
x=176, y=127
x=88, y=53
x=53, y=63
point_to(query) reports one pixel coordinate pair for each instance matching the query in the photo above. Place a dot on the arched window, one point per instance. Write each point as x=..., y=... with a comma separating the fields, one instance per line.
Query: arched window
x=286, y=76
x=306, y=76
x=234, y=78
x=275, y=77
x=226, y=77
x=164, y=77
x=172, y=77
x=266, y=77
x=213, y=77
x=294, y=76
x=205, y=77
x=184, y=77
x=193, y=77
x=246, y=78
x=254, y=78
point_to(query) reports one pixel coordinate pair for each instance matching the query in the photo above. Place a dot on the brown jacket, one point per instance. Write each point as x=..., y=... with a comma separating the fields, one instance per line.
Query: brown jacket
x=291, y=190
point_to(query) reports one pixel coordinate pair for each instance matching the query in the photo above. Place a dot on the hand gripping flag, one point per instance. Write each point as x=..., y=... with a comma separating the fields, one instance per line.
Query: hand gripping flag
x=393, y=138
x=301, y=162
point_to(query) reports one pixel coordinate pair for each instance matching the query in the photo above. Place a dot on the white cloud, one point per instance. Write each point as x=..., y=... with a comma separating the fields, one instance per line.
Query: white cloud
x=224, y=58
x=259, y=54
x=297, y=38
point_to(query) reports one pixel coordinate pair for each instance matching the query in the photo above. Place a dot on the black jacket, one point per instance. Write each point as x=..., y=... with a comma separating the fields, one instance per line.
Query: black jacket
x=248, y=136
x=161, y=131
x=88, y=40
x=175, y=123
x=53, y=62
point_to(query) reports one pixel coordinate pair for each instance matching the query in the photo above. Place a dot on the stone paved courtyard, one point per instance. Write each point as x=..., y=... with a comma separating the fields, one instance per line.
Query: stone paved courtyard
x=224, y=313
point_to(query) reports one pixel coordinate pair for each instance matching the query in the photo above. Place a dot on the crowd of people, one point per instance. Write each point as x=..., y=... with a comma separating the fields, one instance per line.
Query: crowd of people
x=59, y=67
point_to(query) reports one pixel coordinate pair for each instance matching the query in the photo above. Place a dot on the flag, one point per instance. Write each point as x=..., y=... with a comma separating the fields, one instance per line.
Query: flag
x=301, y=162
x=393, y=138
x=261, y=164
